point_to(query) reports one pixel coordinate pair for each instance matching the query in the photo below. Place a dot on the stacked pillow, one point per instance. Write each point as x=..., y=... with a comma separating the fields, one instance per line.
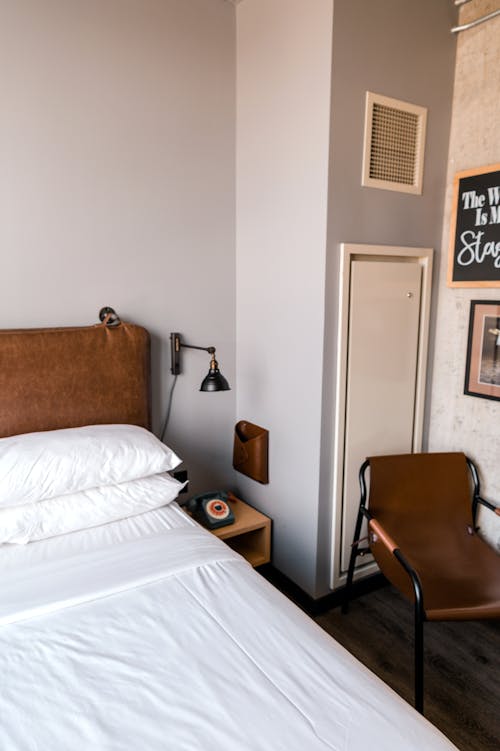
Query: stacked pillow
x=63, y=480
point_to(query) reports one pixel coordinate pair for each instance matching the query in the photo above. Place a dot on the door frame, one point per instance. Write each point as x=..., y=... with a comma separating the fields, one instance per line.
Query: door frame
x=354, y=252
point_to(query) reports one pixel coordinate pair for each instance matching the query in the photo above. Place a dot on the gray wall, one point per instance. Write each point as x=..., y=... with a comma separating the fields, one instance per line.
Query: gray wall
x=287, y=270
x=117, y=187
x=401, y=49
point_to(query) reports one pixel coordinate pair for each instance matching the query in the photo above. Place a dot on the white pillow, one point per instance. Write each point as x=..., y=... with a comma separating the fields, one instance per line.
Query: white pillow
x=89, y=508
x=38, y=466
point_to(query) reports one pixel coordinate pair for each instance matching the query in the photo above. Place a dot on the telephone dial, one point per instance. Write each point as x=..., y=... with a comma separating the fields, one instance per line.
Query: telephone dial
x=212, y=509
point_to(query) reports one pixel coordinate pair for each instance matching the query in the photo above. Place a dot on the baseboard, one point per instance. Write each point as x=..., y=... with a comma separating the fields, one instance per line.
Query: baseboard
x=316, y=607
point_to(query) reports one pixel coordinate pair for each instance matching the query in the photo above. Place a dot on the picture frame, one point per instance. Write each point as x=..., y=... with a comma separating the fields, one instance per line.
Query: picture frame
x=474, y=253
x=482, y=370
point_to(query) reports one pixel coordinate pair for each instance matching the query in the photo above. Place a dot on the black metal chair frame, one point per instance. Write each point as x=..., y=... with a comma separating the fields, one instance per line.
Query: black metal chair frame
x=419, y=610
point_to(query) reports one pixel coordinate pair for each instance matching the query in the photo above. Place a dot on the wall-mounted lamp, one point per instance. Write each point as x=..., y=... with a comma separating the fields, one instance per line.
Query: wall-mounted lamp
x=213, y=381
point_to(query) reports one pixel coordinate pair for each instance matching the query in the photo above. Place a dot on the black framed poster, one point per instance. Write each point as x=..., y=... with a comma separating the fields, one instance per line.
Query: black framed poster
x=482, y=370
x=474, y=259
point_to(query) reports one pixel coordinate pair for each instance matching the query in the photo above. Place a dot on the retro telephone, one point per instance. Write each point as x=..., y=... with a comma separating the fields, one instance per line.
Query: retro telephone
x=212, y=509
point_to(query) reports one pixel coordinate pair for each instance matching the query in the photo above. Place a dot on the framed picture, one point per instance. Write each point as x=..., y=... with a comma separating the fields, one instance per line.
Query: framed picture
x=482, y=371
x=474, y=259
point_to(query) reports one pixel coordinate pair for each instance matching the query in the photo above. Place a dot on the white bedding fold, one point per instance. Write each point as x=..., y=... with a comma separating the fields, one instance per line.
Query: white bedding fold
x=146, y=525
x=173, y=643
x=90, y=576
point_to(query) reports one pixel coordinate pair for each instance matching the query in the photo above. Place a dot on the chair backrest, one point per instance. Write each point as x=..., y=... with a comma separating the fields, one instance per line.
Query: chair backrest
x=423, y=501
x=436, y=487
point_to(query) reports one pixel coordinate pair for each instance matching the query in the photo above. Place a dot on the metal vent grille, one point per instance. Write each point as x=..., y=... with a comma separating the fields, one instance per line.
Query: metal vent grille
x=394, y=144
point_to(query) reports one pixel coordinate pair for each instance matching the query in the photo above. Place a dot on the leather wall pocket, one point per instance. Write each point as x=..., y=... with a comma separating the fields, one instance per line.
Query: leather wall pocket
x=250, y=454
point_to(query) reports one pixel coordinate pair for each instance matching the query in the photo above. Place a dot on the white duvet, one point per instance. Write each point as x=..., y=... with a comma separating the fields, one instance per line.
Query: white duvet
x=172, y=642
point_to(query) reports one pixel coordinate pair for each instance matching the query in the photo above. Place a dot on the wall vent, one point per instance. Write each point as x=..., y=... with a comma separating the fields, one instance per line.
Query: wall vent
x=394, y=144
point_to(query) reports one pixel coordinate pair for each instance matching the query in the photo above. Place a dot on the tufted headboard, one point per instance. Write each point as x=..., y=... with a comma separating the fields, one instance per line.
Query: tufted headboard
x=68, y=377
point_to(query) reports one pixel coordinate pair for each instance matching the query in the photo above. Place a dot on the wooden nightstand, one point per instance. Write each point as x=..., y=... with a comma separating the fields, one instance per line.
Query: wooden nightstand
x=250, y=535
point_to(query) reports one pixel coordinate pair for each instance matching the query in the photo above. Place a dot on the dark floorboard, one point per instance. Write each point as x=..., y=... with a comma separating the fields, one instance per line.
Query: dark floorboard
x=462, y=664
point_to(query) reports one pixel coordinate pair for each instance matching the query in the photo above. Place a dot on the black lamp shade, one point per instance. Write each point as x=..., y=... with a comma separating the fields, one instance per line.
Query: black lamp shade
x=214, y=381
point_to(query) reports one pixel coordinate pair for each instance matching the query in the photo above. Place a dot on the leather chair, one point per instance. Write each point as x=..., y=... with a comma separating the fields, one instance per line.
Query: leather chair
x=422, y=532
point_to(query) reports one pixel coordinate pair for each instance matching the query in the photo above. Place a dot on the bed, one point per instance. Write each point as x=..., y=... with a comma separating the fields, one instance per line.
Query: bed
x=145, y=631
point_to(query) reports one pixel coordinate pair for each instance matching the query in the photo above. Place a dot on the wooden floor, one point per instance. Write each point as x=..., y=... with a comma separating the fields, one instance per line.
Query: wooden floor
x=462, y=664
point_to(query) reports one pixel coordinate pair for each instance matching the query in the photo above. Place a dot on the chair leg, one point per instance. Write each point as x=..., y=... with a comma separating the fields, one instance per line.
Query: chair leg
x=419, y=629
x=419, y=661
x=352, y=561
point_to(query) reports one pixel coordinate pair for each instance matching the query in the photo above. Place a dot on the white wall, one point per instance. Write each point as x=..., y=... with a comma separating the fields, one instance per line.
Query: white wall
x=283, y=100
x=459, y=422
x=117, y=186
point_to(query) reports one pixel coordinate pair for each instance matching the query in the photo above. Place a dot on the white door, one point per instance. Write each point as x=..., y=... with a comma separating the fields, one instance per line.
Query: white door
x=382, y=354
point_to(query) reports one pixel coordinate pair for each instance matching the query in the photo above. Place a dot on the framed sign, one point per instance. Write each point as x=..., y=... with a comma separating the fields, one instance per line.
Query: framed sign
x=482, y=370
x=475, y=229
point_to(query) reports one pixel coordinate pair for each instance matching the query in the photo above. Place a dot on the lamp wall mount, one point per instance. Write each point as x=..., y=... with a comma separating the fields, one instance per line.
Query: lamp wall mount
x=175, y=352
x=214, y=381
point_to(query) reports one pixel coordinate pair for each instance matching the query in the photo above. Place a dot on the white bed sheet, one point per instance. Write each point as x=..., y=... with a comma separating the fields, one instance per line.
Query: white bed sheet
x=13, y=556
x=171, y=641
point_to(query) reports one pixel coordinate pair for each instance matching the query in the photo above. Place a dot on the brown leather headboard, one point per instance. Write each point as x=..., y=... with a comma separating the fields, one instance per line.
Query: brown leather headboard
x=68, y=377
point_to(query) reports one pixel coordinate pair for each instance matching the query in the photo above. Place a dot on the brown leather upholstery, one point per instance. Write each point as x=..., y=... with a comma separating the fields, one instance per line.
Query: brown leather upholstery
x=68, y=377
x=423, y=504
x=250, y=451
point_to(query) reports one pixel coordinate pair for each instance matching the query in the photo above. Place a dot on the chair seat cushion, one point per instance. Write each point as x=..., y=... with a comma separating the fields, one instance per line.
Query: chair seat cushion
x=461, y=579
x=459, y=572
